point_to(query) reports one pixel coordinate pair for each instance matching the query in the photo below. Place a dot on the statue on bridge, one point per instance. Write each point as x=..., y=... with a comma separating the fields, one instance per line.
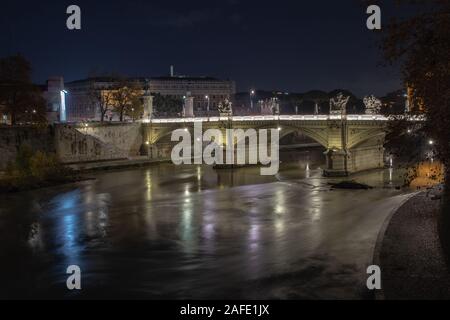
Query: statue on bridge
x=225, y=108
x=338, y=104
x=148, y=105
x=372, y=104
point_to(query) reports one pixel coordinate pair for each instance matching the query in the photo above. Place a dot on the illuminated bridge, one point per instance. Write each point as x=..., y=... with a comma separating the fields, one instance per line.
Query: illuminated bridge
x=352, y=142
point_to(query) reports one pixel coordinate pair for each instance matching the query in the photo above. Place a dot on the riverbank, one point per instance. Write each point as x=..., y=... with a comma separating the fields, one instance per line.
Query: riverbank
x=113, y=164
x=9, y=186
x=410, y=255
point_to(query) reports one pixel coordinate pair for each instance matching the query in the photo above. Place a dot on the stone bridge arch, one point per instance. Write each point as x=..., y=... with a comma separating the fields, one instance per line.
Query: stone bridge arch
x=315, y=135
x=356, y=139
x=351, y=145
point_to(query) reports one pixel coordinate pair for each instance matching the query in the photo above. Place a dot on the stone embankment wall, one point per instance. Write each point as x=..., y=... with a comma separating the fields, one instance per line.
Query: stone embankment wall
x=11, y=138
x=97, y=142
x=74, y=142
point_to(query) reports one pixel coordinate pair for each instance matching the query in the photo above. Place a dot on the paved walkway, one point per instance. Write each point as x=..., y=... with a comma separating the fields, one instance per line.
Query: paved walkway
x=410, y=257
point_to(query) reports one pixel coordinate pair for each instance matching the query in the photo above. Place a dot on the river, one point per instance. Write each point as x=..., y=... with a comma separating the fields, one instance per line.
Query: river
x=192, y=232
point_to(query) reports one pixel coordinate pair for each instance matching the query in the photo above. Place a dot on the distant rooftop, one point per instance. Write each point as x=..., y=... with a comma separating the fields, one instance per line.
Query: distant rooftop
x=105, y=79
x=145, y=79
x=185, y=78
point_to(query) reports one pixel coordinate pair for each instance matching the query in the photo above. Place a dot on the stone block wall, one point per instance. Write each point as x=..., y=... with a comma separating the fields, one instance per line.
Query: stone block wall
x=97, y=142
x=368, y=155
x=126, y=137
x=74, y=142
x=11, y=138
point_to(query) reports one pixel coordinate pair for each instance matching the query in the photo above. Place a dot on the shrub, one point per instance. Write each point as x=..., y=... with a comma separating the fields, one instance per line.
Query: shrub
x=34, y=169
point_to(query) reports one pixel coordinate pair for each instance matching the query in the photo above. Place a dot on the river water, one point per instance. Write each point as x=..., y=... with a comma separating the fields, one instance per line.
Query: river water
x=192, y=232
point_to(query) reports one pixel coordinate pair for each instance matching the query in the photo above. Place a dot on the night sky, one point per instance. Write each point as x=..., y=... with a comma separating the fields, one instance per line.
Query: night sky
x=291, y=46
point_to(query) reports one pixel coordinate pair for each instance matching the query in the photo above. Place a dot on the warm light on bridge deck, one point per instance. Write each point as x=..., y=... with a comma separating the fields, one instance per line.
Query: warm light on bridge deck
x=350, y=117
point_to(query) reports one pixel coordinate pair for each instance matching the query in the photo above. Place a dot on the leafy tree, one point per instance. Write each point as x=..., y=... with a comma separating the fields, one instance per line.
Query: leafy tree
x=393, y=103
x=421, y=44
x=167, y=106
x=19, y=97
x=319, y=98
x=103, y=98
x=136, y=110
x=127, y=97
x=289, y=102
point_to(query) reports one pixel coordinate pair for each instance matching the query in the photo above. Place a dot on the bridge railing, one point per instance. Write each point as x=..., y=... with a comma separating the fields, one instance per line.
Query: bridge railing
x=349, y=117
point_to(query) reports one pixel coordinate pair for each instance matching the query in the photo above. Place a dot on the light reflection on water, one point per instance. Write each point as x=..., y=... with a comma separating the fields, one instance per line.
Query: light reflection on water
x=193, y=232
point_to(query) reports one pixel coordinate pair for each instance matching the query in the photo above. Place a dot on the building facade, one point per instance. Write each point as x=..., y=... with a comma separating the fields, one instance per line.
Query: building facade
x=205, y=93
x=81, y=106
x=54, y=95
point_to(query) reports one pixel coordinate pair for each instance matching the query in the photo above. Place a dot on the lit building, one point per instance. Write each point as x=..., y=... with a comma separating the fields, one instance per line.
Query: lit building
x=53, y=92
x=205, y=93
x=414, y=104
x=81, y=106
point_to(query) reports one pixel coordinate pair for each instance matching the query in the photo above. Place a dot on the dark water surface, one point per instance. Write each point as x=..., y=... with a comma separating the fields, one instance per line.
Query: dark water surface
x=193, y=232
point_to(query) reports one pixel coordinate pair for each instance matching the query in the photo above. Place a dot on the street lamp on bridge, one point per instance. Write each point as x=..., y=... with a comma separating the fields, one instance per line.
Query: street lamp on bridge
x=207, y=105
x=252, y=94
x=62, y=109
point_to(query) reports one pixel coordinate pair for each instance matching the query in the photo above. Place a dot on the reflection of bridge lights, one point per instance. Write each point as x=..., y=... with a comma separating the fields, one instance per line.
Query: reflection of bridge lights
x=199, y=173
x=148, y=182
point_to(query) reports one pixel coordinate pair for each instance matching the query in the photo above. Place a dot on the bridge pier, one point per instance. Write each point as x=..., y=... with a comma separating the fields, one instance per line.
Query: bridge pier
x=341, y=163
x=157, y=151
x=336, y=163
